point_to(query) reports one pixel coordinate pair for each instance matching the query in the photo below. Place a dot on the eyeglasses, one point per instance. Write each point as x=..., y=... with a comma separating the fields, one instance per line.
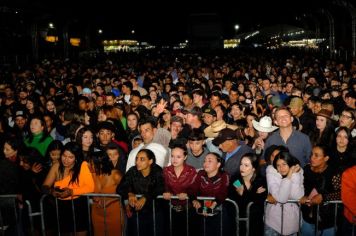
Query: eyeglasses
x=346, y=116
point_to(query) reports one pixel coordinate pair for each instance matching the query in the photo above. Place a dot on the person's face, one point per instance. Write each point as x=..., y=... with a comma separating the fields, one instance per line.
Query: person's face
x=82, y=105
x=23, y=95
x=135, y=101
x=320, y=122
x=214, y=101
x=105, y=136
x=266, y=85
x=36, y=126
x=208, y=118
x=225, y=146
x=197, y=98
x=296, y=110
x=55, y=155
x=50, y=106
x=263, y=135
x=147, y=133
x=136, y=143
x=20, y=121
x=211, y=164
x=283, y=119
x=282, y=167
x=346, y=119
x=153, y=95
x=48, y=120
x=178, y=157
x=234, y=96
x=235, y=112
x=196, y=146
x=187, y=100
x=113, y=155
x=9, y=151
x=87, y=139
x=249, y=120
x=132, y=122
x=246, y=168
x=341, y=139
x=317, y=107
x=274, y=87
x=25, y=164
x=68, y=159
x=176, y=127
x=29, y=105
x=142, y=162
x=146, y=103
x=109, y=100
x=99, y=102
x=318, y=158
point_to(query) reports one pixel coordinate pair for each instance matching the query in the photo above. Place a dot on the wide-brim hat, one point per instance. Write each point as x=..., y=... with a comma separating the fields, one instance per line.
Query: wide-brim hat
x=264, y=125
x=212, y=131
x=325, y=113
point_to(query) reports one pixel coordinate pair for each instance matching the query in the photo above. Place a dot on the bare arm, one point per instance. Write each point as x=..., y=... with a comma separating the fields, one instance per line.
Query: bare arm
x=51, y=176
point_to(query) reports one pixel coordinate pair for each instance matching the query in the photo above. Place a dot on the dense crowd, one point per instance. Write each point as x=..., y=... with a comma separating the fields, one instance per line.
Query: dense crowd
x=249, y=127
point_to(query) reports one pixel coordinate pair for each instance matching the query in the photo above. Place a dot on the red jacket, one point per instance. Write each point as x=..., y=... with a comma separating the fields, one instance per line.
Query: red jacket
x=348, y=193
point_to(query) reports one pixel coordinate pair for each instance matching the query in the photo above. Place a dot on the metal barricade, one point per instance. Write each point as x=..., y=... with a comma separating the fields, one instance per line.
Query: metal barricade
x=8, y=204
x=336, y=203
x=170, y=213
x=31, y=215
x=244, y=219
x=282, y=213
x=89, y=202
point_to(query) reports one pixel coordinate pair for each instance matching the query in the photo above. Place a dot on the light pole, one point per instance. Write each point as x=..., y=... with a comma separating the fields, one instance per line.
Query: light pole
x=236, y=27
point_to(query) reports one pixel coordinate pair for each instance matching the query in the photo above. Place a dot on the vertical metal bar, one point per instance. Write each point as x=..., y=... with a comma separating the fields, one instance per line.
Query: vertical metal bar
x=282, y=211
x=57, y=213
x=16, y=220
x=89, y=215
x=335, y=219
x=300, y=218
x=187, y=215
x=137, y=224
x=317, y=221
x=43, y=227
x=221, y=221
x=154, y=216
x=204, y=229
x=105, y=224
x=30, y=217
x=74, y=218
x=170, y=217
x=2, y=225
x=248, y=218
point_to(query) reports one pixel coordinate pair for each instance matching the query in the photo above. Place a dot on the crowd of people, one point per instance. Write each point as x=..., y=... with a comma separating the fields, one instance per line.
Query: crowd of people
x=251, y=127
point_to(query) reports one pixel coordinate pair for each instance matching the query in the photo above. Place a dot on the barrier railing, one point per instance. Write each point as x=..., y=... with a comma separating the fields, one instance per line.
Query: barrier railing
x=9, y=221
x=10, y=201
x=105, y=198
x=282, y=213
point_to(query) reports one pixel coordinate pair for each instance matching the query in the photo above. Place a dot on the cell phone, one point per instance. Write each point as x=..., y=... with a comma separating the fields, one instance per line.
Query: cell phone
x=58, y=189
x=237, y=184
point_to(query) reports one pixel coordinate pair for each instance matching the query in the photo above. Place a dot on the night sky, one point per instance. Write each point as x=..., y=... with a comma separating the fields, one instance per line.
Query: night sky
x=154, y=21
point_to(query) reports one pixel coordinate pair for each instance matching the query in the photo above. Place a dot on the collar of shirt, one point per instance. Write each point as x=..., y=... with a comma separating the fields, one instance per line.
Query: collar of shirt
x=228, y=155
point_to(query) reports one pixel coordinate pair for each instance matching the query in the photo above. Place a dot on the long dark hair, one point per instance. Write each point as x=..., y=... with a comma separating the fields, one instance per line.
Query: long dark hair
x=287, y=157
x=150, y=155
x=102, y=164
x=76, y=150
x=254, y=162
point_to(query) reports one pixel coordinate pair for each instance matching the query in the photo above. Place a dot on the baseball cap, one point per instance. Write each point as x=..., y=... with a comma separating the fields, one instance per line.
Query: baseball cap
x=224, y=134
x=209, y=111
x=296, y=102
x=194, y=111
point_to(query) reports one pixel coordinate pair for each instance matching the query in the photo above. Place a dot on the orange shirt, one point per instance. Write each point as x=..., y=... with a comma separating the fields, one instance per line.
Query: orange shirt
x=84, y=185
x=348, y=193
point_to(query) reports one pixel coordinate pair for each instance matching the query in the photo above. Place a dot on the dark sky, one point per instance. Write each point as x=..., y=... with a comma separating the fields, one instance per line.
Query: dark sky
x=153, y=20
